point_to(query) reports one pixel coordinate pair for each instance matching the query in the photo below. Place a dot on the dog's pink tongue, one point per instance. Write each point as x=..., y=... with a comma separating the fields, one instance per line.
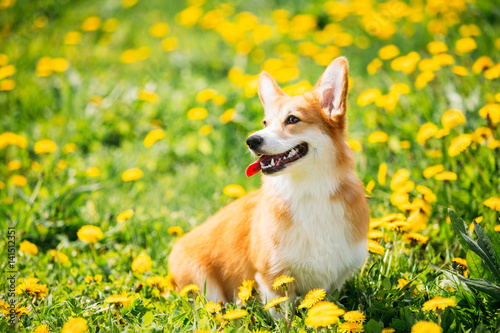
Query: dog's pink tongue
x=253, y=168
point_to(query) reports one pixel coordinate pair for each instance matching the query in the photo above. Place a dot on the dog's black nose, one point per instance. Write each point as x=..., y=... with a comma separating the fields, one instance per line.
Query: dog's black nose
x=254, y=141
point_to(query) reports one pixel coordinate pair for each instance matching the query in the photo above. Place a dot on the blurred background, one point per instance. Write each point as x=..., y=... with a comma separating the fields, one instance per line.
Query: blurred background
x=109, y=106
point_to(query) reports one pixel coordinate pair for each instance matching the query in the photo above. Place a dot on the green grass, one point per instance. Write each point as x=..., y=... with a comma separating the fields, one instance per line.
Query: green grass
x=185, y=173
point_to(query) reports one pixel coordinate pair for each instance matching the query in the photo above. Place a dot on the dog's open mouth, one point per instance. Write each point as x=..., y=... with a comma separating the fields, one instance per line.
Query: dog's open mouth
x=270, y=164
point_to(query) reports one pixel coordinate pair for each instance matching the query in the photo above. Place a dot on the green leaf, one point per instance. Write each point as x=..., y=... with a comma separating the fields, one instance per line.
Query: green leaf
x=476, y=266
x=486, y=286
x=495, y=239
x=484, y=242
x=479, y=251
x=460, y=227
x=373, y=326
x=148, y=318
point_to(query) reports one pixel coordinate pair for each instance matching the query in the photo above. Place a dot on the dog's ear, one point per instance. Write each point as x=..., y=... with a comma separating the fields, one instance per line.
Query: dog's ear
x=268, y=89
x=332, y=88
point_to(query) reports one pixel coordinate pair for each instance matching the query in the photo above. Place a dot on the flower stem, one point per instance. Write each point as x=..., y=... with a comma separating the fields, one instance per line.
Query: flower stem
x=473, y=160
x=93, y=252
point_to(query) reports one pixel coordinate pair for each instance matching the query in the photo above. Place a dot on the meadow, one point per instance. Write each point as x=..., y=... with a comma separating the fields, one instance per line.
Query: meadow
x=123, y=126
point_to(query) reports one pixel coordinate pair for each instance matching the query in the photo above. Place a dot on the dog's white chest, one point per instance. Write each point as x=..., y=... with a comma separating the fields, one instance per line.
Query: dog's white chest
x=317, y=249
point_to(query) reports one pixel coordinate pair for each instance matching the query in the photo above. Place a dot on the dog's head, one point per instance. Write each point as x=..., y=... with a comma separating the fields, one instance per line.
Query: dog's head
x=304, y=131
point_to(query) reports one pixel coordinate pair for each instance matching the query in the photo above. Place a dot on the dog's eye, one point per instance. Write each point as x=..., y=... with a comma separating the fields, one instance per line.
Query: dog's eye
x=292, y=120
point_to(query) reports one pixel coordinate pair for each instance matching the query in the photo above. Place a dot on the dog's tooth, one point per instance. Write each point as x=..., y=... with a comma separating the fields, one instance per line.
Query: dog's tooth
x=262, y=165
x=272, y=162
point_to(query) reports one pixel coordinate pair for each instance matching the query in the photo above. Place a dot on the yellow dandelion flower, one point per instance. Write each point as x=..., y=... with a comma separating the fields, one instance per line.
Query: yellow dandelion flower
x=125, y=215
x=382, y=173
x=425, y=327
x=431, y=65
x=400, y=88
x=9, y=138
x=69, y=148
x=91, y=23
x=436, y=47
x=423, y=78
x=446, y=175
x=406, y=64
x=129, y=3
x=426, y=131
x=159, y=30
x=59, y=65
x=373, y=66
x=235, y=314
x=206, y=95
x=415, y=238
x=400, y=177
x=312, y=297
x=89, y=279
x=153, y=136
x=156, y=282
x=93, y=172
x=110, y=25
x=58, y=256
x=378, y=137
x=90, y=234
x=41, y=329
x=246, y=290
x=460, y=70
x=452, y=118
x=460, y=261
x=7, y=85
x=205, y=130
x=227, y=116
x=31, y=287
x=355, y=145
x=282, y=281
x=75, y=325
x=375, y=248
x=98, y=278
x=7, y=71
x=323, y=314
x=375, y=234
x=481, y=64
x=497, y=228
x=368, y=96
x=465, y=45
x=175, y=231
x=398, y=226
x=148, y=96
x=190, y=288
x=45, y=146
x=189, y=16
x=132, y=174
x=197, y=113
x=388, y=330
x=492, y=111
x=459, y=144
x=118, y=299
x=433, y=170
x=370, y=186
x=28, y=247
x=275, y=302
x=443, y=59
x=429, y=196
x=349, y=327
x=142, y=263
x=388, y=52
x=234, y=190
x=493, y=203
x=19, y=180
x=212, y=307
x=438, y=303
x=354, y=317
x=170, y=44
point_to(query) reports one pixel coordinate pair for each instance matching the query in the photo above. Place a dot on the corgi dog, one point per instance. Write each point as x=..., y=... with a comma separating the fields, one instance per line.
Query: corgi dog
x=309, y=220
